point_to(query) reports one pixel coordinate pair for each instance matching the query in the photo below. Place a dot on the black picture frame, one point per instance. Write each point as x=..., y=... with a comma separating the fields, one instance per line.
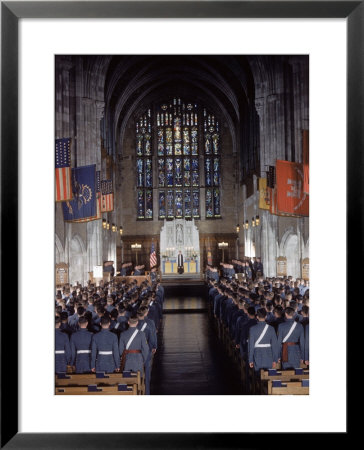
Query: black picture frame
x=11, y=12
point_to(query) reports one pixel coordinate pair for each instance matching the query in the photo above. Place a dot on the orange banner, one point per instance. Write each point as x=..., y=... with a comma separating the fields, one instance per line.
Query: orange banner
x=305, y=160
x=291, y=199
x=272, y=200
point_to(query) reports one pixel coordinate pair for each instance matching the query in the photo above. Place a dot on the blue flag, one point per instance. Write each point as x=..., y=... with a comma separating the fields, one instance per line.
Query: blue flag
x=83, y=205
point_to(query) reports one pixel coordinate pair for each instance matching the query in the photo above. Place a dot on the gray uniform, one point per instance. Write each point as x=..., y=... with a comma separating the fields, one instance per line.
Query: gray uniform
x=295, y=351
x=81, y=350
x=134, y=361
x=105, y=352
x=63, y=351
x=262, y=352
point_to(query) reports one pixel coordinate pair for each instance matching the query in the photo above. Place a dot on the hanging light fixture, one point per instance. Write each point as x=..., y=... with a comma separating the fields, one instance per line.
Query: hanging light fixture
x=104, y=224
x=257, y=221
x=253, y=222
x=108, y=225
x=237, y=228
x=113, y=228
x=121, y=230
x=246, y=224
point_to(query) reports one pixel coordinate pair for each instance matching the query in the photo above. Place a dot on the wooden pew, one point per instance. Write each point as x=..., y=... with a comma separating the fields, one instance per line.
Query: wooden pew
x=283, y=375
x=93, y=389
x=277, y=387
x=102, y=379
x=302, y=366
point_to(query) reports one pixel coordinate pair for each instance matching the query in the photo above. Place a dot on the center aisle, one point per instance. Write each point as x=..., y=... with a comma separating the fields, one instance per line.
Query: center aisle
x=190, y=360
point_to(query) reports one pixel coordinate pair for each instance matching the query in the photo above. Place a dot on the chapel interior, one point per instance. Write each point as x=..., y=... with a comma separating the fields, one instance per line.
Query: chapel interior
x=187, y=146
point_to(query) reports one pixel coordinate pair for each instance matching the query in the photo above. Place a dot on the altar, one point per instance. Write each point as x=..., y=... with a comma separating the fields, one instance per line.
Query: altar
x=176, y=236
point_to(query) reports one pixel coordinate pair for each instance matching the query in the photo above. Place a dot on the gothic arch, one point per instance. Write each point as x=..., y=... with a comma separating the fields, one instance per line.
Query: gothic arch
x=59, y=251
x=290, y=248
x=77, y=260
x=286, y=235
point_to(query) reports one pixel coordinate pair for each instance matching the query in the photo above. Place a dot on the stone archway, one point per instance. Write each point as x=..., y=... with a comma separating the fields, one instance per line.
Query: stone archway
x=290, y=249
x=58, y=250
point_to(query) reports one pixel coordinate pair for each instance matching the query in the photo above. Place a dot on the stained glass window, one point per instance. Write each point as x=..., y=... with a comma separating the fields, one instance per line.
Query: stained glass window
x=144, y=167
x=212, y=165
x=178, y=165
x=180, y=129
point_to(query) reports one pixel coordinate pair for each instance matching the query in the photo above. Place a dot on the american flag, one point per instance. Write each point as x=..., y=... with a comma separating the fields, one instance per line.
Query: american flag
x=153, y=256
x=63, y=170
x=107, y=196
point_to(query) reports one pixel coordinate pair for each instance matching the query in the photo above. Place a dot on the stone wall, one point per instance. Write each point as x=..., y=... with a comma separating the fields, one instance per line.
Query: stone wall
x=268, y=126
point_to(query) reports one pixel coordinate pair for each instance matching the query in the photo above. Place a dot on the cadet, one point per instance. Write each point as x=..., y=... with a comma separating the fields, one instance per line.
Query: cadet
x=62, y=348
x=65, y=328
x=245, y=331
x=235, y=317
x=263, y=346
x=279, y=317
x=153, y=274
x=291, y=341
x=73, y=320
x=147, y=326
x=304, y=315
x=114, y=324
x=81, y=348
x=122, y=318
x=133, y=347
x=270, y=318
x=104, y=350
x=110, y=304
x=155, y=311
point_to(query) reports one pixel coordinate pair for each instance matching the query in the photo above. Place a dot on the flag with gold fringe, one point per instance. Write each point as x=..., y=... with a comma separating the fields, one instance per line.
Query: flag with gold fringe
x=83, y=206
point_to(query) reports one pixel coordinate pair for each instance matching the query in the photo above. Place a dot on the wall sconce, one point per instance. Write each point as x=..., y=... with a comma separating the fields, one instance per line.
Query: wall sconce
x=121, y=230
x=253, y=222
x=246, y=224
x=104, y=224
x=257, y=221
x=108, y=225
x=237, y=228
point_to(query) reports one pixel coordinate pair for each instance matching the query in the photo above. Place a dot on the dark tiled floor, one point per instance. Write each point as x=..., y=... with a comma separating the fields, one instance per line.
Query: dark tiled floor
x=181, y=302
x=190, y=360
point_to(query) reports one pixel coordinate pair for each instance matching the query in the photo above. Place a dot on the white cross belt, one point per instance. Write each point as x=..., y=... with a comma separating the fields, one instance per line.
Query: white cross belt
x=83, y=351
x=105, y=353
x=59, y=352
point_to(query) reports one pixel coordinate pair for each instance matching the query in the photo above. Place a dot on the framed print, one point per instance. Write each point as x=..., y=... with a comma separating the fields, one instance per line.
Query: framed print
x=28, y=47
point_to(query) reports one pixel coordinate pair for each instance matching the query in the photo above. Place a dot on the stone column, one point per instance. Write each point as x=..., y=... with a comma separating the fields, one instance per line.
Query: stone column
x=300, y=101
x=62, y=93
x=260, y=108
